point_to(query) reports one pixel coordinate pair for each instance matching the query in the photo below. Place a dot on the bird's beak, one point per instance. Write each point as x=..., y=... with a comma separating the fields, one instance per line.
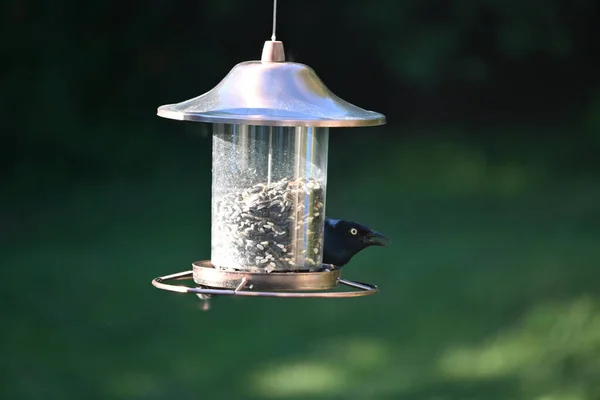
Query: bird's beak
x=376, y=239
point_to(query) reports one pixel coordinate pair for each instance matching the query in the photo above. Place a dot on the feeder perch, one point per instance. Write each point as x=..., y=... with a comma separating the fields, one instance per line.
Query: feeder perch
x=270, y=121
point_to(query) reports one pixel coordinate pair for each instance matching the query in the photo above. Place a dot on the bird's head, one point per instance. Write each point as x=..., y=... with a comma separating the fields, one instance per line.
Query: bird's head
x=343, y=239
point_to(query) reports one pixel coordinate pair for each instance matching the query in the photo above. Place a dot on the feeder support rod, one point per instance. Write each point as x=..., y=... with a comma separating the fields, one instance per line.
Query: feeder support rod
x=274, y=19
x=273, y=49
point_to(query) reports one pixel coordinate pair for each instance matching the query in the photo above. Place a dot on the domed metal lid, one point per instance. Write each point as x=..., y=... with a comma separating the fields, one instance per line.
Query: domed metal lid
x=272, y=92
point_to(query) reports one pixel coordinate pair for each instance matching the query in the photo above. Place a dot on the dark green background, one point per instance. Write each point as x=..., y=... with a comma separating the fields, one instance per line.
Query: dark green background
x=486, y=178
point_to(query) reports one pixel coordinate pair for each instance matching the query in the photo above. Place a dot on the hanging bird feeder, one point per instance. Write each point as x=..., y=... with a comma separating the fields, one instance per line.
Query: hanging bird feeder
x=270, y=122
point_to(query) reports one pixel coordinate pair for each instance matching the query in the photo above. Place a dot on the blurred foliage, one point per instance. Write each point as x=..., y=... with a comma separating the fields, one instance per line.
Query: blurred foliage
x=484, y=294
x=486, y=179
x=84, y=79
x=459, y=40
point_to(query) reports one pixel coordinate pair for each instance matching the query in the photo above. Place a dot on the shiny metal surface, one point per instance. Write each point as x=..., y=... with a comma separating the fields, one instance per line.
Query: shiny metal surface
x=205, y=274
x=272, y=93
x=364, y=289
x=273, y=51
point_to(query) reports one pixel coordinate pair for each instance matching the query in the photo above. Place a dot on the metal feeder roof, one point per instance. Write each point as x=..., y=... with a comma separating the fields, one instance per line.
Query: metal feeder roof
x=272, y=92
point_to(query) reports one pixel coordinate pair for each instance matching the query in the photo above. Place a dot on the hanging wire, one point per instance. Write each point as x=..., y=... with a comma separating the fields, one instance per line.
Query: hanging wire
x=274, y=19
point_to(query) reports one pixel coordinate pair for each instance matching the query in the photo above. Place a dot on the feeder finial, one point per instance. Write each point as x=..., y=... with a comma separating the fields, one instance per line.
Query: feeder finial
x=273, y=51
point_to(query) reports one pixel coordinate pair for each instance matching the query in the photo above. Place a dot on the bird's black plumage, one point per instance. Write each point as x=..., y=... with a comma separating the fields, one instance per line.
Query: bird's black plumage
x=343, y=239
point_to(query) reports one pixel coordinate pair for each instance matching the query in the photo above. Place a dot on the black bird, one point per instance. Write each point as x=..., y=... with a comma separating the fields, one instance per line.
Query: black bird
x=343, y=239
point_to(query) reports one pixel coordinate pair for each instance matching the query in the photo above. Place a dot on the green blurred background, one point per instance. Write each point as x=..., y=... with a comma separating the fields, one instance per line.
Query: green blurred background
x=486, y=178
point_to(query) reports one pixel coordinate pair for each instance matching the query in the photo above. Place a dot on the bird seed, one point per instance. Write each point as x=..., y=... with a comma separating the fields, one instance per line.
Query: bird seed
x=269, y=228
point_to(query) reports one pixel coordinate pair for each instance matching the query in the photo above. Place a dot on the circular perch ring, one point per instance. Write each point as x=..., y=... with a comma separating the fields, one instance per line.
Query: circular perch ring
x=364, y=289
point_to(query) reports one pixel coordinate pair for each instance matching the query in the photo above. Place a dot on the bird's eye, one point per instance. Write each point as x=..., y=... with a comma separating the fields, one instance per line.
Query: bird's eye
x=353, y=231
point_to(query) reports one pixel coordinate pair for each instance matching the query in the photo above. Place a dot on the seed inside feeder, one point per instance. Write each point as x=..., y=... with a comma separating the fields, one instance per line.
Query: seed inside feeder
x=243, y=242
x=268, y=197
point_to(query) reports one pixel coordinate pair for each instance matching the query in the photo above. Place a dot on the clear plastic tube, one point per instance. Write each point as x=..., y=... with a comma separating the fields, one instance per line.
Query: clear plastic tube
x=268, y=197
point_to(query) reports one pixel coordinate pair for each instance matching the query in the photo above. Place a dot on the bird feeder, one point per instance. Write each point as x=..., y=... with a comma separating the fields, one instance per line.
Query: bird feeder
x=270, y=122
